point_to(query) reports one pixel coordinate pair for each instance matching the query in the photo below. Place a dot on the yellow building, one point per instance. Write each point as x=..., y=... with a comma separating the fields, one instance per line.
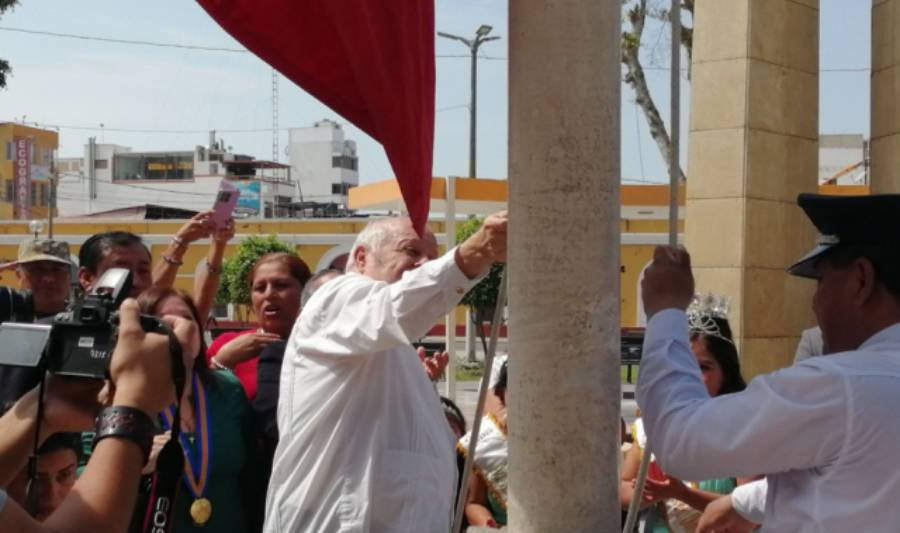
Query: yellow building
x=323, y=242
x=25, y=170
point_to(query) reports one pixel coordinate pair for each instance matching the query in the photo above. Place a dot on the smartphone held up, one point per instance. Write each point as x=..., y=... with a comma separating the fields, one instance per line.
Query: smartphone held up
x=226, y=201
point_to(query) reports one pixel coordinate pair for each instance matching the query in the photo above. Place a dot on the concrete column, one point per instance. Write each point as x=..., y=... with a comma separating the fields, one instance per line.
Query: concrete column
x=753, y=148
x=564, y=89
x=885, y=103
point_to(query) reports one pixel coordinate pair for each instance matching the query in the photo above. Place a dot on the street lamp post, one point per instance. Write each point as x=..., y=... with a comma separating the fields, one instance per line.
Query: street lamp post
x=481, y=36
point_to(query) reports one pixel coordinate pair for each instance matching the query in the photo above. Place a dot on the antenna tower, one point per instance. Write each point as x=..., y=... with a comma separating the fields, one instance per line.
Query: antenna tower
x=274, y=115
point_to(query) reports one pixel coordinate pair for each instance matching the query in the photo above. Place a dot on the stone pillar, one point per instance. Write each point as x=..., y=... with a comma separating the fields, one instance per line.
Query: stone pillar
x=884, y=149
x=753, y=148
x=564, y=89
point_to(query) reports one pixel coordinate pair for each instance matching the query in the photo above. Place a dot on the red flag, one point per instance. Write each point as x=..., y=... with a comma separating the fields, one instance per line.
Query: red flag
x=371, y=61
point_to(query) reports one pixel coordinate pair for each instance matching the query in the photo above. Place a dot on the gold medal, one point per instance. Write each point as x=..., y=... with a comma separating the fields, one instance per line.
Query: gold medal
x=201, y=510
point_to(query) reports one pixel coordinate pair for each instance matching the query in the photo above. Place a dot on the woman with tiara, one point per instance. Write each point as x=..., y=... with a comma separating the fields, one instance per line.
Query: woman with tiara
x=675, y=505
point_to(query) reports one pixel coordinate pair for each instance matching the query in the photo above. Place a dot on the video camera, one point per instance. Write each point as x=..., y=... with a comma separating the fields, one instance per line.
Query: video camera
x=81, y=339
x=16, y=305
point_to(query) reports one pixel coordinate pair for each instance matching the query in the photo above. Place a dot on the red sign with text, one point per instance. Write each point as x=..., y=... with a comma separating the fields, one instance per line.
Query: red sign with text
x=23, y=177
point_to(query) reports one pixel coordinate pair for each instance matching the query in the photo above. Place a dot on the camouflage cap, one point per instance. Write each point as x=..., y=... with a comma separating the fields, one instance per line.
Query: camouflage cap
x=32, y=250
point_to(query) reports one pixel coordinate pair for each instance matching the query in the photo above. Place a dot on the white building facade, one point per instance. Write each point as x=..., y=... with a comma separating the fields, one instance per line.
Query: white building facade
x=323, y=162
x=843, y=159
x=112, y=177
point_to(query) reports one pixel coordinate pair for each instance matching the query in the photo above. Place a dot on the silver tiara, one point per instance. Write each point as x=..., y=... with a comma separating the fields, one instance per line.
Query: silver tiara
x=703, y=310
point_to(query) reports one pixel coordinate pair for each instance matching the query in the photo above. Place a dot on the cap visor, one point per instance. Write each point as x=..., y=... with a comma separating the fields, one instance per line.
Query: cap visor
x=805, y=267
x=44, y=257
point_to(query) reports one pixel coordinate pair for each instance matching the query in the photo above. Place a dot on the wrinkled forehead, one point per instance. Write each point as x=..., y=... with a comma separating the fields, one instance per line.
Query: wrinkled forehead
x=403, y=232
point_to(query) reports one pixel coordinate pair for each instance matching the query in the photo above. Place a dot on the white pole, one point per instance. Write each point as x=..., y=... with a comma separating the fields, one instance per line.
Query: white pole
x=479, y=407
x=450, y=333
x=674, y=179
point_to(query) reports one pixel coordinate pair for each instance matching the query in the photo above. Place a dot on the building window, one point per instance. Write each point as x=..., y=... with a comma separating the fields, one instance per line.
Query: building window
x=348, y=162
x=174, y=166
x=10, y=191
x=341, y=188
x=101, y=164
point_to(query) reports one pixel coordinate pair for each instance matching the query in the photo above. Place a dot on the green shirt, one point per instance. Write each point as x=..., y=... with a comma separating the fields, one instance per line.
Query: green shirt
x=235, y=494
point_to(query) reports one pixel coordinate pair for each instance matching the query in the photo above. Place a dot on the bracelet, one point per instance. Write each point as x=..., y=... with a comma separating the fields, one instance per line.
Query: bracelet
x=213, y=362
x=213, y=270
x=178, y=241
x=127, y=423
x=172, y=261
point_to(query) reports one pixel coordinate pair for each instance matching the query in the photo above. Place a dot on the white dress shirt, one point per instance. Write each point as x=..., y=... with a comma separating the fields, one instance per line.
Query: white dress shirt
x=825, y=431
x=364, y=444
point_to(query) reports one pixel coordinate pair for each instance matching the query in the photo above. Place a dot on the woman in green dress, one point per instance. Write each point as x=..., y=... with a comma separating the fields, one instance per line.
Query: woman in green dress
x=221, y=489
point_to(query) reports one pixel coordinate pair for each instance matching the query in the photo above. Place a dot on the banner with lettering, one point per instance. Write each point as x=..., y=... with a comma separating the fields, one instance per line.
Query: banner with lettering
x=22, y=203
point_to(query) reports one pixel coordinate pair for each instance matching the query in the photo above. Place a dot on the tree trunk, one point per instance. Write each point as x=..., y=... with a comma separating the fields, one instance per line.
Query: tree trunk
x=635, y=77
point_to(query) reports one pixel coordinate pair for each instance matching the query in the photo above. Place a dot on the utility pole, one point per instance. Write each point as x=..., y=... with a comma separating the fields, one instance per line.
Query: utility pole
x=54, y=179
x=473, y=45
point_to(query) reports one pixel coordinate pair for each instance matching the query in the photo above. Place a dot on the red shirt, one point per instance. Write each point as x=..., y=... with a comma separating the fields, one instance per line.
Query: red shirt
x=246, y=371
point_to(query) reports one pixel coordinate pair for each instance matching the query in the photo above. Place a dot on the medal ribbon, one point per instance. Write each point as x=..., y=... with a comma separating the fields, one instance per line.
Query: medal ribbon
x=196, y=468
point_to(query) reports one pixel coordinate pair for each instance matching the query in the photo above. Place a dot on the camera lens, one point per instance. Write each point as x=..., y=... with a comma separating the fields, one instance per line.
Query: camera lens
x=16, y=305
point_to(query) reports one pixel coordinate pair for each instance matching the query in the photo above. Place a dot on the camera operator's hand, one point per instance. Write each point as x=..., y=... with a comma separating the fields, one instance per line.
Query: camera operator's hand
x=158, y=442
x=141, y=366
x=71, y=404
x=668, y=281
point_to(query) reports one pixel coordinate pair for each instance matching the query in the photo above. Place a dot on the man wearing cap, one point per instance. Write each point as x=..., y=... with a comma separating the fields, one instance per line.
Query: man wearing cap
x=42, y=267
x=825, y=431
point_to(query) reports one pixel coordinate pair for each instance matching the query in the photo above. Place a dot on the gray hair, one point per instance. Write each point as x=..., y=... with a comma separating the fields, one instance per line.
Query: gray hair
x=321, y=277
x=373, y=237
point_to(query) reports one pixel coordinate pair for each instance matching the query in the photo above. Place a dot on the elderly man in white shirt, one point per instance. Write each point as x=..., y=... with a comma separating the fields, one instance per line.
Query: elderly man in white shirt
x=823, y=431
x=364, y=445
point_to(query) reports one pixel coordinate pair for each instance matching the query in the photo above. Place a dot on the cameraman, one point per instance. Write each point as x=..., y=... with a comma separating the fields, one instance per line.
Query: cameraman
x=114, y=249
x=42, y=267
x=141, y=386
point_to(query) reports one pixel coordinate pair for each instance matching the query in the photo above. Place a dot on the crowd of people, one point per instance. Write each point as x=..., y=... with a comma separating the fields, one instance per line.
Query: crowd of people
x=348, y=369
x=324, y=417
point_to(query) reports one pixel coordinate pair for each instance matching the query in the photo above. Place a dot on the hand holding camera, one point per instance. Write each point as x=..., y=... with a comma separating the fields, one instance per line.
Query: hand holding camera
x=140, y=368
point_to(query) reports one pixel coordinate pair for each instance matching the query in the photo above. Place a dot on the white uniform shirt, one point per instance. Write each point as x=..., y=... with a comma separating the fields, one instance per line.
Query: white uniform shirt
x=825, y=431
x=364, y=444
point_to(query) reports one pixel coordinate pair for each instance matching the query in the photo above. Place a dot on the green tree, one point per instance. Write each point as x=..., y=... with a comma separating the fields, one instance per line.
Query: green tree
x=233, y=287
x=482, y=299
x=5, y=69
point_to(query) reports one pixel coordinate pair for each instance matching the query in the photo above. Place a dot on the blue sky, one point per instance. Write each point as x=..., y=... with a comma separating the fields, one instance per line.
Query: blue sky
x=85, y=83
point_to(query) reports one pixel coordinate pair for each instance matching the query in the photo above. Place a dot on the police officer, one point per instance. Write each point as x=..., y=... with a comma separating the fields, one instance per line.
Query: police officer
x=826, y=431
